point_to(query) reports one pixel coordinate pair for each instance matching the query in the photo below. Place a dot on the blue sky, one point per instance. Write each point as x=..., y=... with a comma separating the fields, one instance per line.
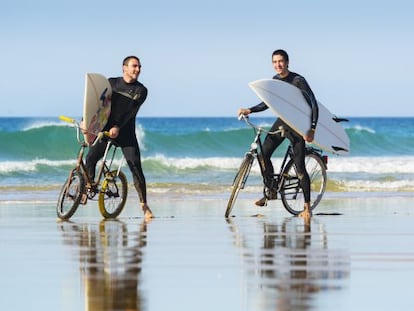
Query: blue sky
x=198, y=56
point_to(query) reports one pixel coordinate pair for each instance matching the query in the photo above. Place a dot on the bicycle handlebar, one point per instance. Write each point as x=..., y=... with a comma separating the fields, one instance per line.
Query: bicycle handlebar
x=245, y=118
x=99, y=135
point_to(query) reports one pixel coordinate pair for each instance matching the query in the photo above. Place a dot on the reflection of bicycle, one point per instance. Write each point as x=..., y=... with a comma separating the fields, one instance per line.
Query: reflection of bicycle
x=110, y=255
x=110, y=185
x=286, y=182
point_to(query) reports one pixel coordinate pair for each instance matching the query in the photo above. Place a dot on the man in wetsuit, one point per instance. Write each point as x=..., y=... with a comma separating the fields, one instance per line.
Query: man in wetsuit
x=127, y=97
x=280, y=60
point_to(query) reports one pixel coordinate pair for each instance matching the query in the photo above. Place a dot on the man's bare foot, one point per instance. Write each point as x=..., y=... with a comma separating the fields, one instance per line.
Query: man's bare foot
x=147, y=211
x=306, y=213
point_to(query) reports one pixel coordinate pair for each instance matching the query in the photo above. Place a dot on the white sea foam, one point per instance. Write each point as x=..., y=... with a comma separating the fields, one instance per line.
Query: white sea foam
x=140, y=133
x=372, y=165
x=347, y=173
x=363, y=129
x=30, y=166
x=40, y=124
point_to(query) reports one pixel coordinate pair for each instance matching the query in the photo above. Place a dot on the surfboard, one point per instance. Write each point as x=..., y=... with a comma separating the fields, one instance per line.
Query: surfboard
x=288, y=102
x=96, y=105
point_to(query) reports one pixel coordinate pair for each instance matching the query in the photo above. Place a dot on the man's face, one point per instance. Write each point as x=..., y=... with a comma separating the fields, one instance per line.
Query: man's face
x=280, y=65
x=132, y=70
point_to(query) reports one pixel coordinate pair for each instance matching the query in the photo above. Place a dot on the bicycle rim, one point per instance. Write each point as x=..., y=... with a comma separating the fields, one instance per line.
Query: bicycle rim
x=291, y=192
x=70, y=195
x=113, y=194
x=239, y=182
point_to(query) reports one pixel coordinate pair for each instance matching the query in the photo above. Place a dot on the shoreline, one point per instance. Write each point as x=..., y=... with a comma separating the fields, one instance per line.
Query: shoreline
x=50, y=194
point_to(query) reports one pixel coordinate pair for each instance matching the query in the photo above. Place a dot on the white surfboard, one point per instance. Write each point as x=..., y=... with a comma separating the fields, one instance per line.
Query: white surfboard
x=288, y=102
x=96, y=105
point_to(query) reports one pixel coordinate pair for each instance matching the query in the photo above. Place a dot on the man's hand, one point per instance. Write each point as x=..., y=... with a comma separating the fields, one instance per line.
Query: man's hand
x=310, y=135
x=81, y=125
x=114, y=132
x=243, y=111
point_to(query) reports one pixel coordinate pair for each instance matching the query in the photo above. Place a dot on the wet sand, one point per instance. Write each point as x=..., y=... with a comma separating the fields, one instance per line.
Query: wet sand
x=356, y=254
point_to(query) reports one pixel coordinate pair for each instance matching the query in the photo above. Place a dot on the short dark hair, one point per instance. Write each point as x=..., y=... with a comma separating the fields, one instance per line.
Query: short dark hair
x=128, y=58
x=282, y=53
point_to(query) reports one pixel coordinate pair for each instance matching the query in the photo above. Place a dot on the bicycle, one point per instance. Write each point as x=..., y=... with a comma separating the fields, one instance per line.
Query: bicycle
x=286, y=182
x=110, y=186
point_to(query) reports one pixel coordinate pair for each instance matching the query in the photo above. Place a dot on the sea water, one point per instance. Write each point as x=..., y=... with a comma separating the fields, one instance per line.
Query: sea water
x=200, y=155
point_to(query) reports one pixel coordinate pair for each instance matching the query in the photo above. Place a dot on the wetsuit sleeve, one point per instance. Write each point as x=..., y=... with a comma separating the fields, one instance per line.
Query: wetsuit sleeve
x=301, y=83
x=260, y=107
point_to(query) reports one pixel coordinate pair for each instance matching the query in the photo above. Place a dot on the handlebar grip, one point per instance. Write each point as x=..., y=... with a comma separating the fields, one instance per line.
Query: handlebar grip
x=67, y=119
x=100, y=135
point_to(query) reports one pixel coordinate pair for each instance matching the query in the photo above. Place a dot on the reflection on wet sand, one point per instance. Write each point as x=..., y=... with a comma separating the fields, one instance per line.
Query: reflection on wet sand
x=291, y=265
x=110, y=257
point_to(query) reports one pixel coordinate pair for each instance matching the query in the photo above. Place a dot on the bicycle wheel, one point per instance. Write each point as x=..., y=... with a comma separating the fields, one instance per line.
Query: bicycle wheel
x=291, y=192
x=113, y=194
x=239, y=181
x=70, y=195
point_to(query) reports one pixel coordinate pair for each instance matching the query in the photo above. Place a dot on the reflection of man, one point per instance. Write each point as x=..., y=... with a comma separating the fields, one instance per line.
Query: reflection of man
x=110, y=259
x=293, y=261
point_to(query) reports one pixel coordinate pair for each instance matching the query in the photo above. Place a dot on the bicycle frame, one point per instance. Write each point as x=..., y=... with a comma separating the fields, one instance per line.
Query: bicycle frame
x=256, y=148
x=80, y=164
x=286, y=182
x=111, y=186
x=107, y=167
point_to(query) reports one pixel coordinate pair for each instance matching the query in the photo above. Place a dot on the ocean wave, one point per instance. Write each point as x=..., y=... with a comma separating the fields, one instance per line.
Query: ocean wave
x=195, y=138
x=44, y=124
x=360, y=129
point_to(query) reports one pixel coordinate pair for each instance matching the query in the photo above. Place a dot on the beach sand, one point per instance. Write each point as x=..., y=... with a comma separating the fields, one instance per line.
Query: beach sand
x=357, y=253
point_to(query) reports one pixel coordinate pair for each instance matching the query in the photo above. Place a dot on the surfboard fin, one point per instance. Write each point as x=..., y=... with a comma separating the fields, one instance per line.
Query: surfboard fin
x=336, y=148
x=336, y=119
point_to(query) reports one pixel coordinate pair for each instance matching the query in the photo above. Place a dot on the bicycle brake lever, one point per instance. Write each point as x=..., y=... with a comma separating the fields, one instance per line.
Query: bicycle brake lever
x=242, y=117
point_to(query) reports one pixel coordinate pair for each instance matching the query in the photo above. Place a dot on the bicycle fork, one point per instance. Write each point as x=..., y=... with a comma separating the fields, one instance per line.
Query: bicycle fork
x=78, y=168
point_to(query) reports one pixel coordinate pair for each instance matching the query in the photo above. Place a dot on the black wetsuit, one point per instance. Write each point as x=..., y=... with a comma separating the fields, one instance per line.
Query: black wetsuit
x=126, y=100
x=271, y=142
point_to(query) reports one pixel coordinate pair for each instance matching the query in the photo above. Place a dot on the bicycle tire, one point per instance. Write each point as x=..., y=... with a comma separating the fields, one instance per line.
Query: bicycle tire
x=113, y=194
x=239, y=182
x=70, y=195
x=291, y=193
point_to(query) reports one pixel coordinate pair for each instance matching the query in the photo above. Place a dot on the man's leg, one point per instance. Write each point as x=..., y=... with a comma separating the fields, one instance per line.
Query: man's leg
x=299, y=158
x=270, y=144
x=95, y=153
x=133, y=158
